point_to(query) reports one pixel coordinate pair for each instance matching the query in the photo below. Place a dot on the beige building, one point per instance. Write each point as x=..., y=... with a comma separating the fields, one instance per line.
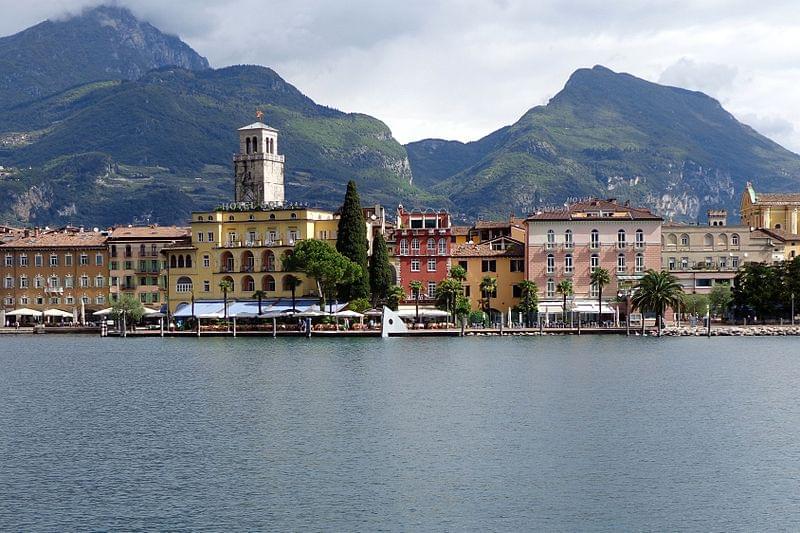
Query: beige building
x=258, y=167
x=65, y=269
x=136, y=265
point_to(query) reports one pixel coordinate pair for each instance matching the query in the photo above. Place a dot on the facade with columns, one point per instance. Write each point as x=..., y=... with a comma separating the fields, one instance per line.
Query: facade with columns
x=773, y=211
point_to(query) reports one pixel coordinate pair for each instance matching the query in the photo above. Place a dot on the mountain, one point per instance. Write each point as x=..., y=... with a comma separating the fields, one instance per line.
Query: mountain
x=101, y=44
x=609, y=134
x=155, y=147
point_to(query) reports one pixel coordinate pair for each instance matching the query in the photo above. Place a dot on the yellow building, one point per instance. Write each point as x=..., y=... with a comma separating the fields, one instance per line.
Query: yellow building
x=775, y=213
x=502, y=258
x=245, y=248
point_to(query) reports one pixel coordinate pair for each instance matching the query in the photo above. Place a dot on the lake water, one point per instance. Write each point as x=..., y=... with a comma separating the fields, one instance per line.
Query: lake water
x=553, y=433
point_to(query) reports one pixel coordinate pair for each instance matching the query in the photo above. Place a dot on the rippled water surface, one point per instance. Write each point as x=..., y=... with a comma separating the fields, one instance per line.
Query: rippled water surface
x=556, y=433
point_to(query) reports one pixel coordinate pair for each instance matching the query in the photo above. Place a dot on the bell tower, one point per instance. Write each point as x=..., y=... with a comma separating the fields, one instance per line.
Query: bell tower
x=257, y=166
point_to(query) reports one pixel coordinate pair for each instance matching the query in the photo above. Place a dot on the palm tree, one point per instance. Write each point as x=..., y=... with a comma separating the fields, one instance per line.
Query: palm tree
x=488, y=288
x=530, y=299
x=458, y=273
x=259, y=295
x=416, y=289
x=655, y=292
x=394, y=296
x=564, y=287
x=292, y=282
x=225, y=285
x=600, y=278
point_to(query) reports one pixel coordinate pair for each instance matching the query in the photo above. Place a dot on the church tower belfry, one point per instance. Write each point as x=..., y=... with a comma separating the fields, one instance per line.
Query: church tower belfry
x=257, y=166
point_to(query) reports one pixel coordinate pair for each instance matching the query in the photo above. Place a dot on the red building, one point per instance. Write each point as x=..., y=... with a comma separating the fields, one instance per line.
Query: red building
x=422, y=245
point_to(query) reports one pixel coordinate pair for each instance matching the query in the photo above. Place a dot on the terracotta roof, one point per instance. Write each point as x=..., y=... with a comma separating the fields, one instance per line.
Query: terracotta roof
x=776, y=198
x=779, y=234
x=484, y=249
x=492, y=224
x=149, y=232
x=59, y=239
x=459, y=230
x=596, y=209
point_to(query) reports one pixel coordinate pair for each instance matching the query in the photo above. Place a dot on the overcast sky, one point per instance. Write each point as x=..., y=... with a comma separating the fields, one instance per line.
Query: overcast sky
x=461, y=69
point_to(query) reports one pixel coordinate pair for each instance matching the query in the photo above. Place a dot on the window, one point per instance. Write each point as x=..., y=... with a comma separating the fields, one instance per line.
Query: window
x=183, y=285
x=206, y=286
x=53, y=260
x=735, y=239
x=415, y=265
x=517, y=265
x=671, y=263
x=251, y=238
x=684, y=263
x=431, y=289
x=9, y=260
x=684, y=240
x=735, y=261
x=23, y=282
x=568, y=239
x=206, y=261
x=37, y=260
x=9, y=282
x=210, y=236
x=200, y=237
x=594, y=241
x=639, y=265
x=516, y=291
x=84, y=259
x=100, y=300
x=594, y=292
x=442, y=246
x=551, y=288
x=231, y=237
x=568, y=264
x=69, y=300
x=431, y=265
x=53, y=282
x=620, y=263
x=39, y=300
x=415, y=246
x=273, y=235
x=38, y=282
x=594, y=262
x=8, y=301
x=723, y=262
x=430, y=246
x=708, y=241
x=294, y=235
x=403, y=247
x=24, y=300
x=84, y=281
x=464, y=264
x=142, y=250
x=85, y=300
x=621, y=239
x=551, y=238
x=99, y=281
x=709, y=262
x=23, y=260
x=639, y=238
x=143, y=297
x=551, y=263
x=128, y=251
x=489, y=265
x=466, y=291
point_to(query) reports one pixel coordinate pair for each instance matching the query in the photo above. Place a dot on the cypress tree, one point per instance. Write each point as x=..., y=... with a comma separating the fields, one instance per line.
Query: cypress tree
x=351, y=242
x=380, y=271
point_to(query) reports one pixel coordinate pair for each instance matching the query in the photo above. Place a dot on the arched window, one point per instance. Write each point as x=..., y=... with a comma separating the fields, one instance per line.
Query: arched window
x=188, y=261
x=184, y=284
x=431, y=246
x=722, y=240
x=173, y=261
x=551, y=238
x=272, y=216
x=248, y=285
x=268, y=283
x=568, y=238
x=708, y=240
x=639, y=266
x=621, y=263
x=594, y=239
x=247, y=144
x=735, y=239
x=568, y=264
x=248, y=261
x=255, y=145
x=684, y=239
x=293, y=216
x=442, y=247
x=639, y=238
x=777, y=226
x=403, y=247
x=672, y=239
x=621, y=239
x=226, y=262
x=181, y=262
x=230, y=218
x=551, y=263
x=551, y=288
x=268, y=261
x=594, y=262
x=414, y=246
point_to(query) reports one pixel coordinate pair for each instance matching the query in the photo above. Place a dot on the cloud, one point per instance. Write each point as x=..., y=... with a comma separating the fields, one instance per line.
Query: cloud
x=462, y=68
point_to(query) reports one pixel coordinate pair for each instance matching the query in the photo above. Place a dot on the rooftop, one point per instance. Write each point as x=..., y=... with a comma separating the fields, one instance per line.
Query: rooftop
x=149, y=232
x=596, y=209
x=59, y=239
x=513, y=248
x=257, y=126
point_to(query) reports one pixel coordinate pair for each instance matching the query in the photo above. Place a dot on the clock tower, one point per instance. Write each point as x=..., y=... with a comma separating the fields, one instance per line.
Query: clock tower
x=258, y=167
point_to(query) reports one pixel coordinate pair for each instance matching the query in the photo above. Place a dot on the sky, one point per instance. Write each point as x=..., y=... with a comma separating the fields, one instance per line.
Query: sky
x=462, y=69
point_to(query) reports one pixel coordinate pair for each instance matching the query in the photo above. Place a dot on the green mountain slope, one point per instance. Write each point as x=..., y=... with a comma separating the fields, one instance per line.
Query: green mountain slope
x=102, y=43
x=610, y=134
x=177, y=128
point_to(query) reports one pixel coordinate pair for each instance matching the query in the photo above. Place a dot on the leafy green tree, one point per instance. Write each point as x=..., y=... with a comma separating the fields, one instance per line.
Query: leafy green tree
x=380, y=270
x=225, y=286
x=756, y=291
x=321, y=262
x=259, y=295
x=529, y=299
x=359, y=305
x=463, y=307
x=695, y=304
x=351, y=242
x=564, y=288
x=600, y=278
x=720, y=299
x=394, y=296
x=458, y=273
x=656, y=292
x=416, y=290
x=128, y=307
x=488, y=288
x=447, y=292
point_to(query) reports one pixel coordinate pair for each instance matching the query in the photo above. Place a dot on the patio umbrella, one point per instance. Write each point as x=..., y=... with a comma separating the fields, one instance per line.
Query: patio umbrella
x=24, y=311
x=58, y=313
x=348, y=314
x=104, y=312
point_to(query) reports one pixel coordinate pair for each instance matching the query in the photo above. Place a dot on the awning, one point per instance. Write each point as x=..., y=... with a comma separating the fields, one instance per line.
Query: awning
x=212, y=309
x=589, y=307
x=57, y=313
x=426, y=312
x=552, y=307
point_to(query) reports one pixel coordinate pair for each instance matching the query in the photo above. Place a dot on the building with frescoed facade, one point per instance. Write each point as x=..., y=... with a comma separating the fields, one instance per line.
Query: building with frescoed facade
x=571, y=242
x=64, y=269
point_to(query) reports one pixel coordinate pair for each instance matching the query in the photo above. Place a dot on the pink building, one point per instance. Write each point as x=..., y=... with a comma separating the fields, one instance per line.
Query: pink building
x=572, y=242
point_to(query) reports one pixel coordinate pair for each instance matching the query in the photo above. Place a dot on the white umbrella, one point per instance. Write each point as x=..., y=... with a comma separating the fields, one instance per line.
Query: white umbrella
x=24, y=311
x=348, y=314
x=311, y=313
x=148, y=312
x=104, y=312
x=57, y=313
